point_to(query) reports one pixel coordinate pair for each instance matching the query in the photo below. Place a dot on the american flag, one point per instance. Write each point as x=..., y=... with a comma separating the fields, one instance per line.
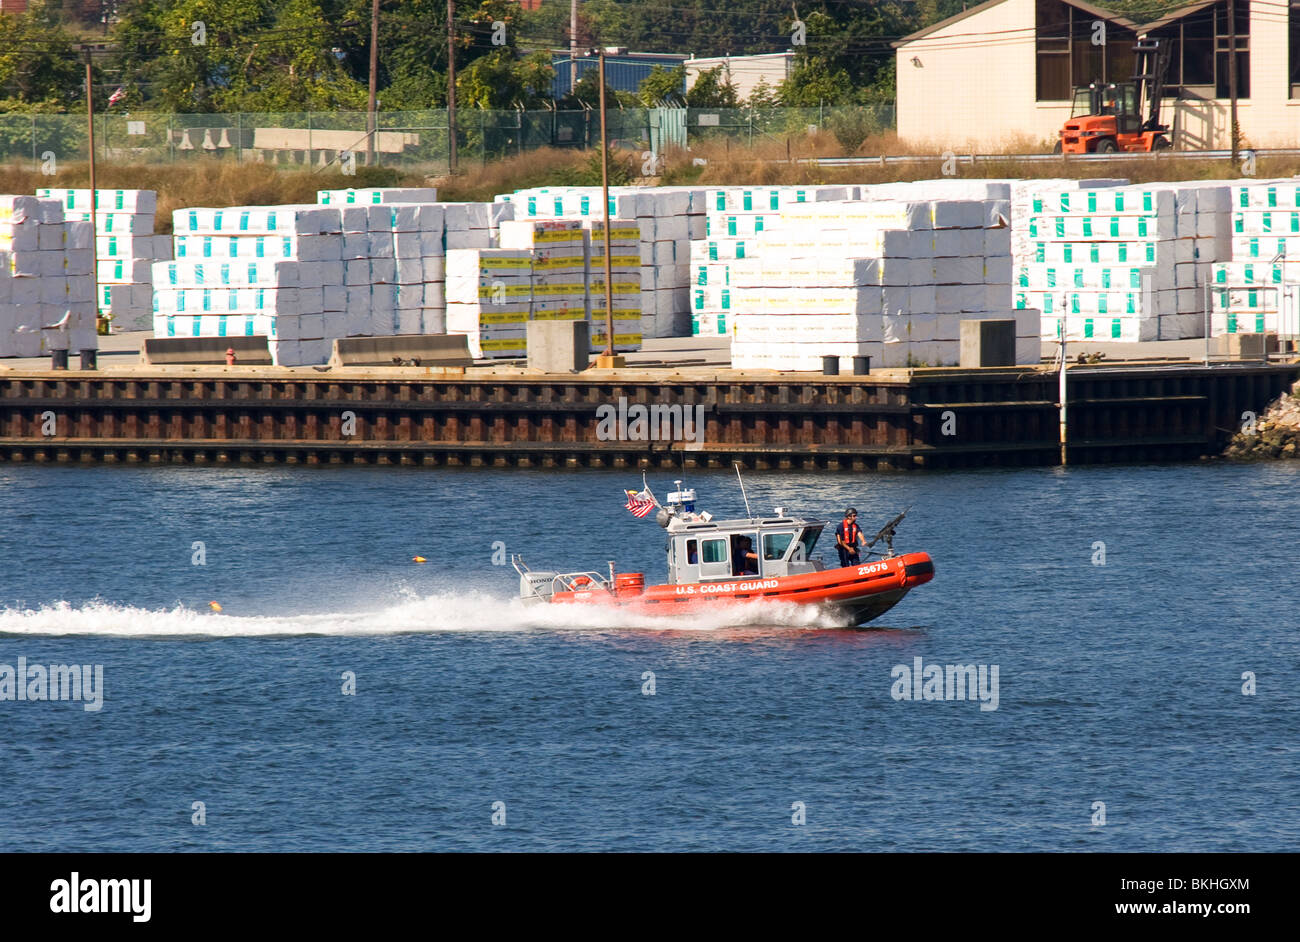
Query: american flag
x=117, y=96
x=639, y=504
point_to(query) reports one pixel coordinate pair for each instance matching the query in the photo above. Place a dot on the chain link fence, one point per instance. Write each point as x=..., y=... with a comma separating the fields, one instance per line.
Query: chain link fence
x=411, y=140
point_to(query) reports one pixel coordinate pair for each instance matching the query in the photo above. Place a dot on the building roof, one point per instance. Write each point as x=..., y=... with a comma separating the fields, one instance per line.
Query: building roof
x=1100, y=13
x=1177, y=14
x=989, y=4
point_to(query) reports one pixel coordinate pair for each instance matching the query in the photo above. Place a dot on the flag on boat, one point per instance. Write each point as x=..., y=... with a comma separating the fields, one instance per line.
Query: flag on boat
x=117, y=96
x=640, y=504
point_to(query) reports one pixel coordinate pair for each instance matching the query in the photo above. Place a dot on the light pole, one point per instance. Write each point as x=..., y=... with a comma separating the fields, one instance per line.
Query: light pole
x=451, y=86
x=607, y=360
x=374, y=83
x=94, y=193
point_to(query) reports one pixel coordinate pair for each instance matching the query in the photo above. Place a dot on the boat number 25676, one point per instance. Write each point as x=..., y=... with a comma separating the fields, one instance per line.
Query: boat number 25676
x=873, y=568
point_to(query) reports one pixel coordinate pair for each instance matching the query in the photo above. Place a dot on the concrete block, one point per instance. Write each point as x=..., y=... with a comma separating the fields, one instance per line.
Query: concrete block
x=1248, y=346
x=558, y=346
x=988, y=343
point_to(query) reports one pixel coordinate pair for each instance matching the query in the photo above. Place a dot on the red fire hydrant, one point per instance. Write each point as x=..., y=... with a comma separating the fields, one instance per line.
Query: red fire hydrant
x=230, y=356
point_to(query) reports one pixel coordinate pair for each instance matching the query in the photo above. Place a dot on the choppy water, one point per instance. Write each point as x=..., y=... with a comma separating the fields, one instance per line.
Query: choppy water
x=1119, y=683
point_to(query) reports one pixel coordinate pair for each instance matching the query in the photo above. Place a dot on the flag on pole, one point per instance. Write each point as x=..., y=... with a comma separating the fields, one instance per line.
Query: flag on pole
x=640, y=504
x=117, y=96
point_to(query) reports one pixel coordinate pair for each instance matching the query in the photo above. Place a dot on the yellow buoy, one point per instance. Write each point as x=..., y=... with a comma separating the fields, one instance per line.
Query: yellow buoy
x=418, y=559
x=215, y=606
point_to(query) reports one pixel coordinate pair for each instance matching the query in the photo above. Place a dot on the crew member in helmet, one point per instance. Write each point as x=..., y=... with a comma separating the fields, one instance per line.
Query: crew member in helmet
x=848, y=537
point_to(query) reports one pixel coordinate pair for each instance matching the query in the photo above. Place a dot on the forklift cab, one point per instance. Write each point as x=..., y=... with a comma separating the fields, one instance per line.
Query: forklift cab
x=1111, y=100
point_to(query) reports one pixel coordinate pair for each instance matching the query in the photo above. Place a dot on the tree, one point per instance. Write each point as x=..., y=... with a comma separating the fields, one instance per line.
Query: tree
x=499, y=80
x=39, y=70
x=763, y=95
x=712, y=89
x=662, y=85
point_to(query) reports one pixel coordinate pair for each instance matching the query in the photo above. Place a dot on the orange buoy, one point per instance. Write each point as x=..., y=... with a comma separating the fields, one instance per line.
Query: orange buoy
x=418, y=559
x=215, y=606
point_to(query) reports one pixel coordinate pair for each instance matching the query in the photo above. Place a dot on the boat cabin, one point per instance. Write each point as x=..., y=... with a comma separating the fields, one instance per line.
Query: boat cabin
x=718, y=550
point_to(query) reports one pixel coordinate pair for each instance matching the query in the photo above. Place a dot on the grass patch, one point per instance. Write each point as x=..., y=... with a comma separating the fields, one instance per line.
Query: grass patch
x=770, y=161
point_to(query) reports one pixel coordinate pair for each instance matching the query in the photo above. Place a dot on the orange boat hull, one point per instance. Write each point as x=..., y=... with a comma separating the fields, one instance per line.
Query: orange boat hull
x=860, y=592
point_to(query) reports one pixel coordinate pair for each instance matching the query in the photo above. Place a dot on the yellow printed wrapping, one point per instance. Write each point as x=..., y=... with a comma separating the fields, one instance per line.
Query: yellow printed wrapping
x=487, y=266
x=506, y=343
x=599, y=337
x=510, y=291
x=557, y=236
x=558, y=291
x=563, y=314
x=620, y=287
x=628, y=233
x=615, y=261
x=502, y=317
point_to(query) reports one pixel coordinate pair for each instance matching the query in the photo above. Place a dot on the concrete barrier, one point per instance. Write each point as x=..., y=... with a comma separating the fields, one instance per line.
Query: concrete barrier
x=249, y=351
x=403, y=350
x=1248, y=346
x=558, y=346
x=987, y=343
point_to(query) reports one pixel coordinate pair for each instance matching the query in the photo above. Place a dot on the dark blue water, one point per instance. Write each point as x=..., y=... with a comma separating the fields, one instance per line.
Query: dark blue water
x=1119, y=683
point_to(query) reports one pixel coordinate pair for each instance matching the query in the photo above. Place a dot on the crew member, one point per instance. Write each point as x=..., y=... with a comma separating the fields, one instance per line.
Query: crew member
x=848, y=537
x=746, y=559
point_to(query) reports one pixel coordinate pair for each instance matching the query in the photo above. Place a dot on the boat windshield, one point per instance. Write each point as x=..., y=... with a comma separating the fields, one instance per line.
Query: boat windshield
x=809, y=538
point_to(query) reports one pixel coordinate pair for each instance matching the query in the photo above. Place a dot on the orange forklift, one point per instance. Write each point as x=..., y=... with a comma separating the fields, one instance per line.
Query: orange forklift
x=1106, y=118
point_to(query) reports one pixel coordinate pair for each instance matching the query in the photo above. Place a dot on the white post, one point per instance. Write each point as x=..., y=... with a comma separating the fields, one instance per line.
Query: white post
x=1209, y=298
x=1061, y=392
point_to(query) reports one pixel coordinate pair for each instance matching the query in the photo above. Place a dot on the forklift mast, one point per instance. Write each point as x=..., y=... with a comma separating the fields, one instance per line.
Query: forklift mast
x=1151, y=62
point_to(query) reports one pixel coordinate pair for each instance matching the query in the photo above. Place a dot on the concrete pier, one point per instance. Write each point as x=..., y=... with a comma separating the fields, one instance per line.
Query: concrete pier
x=512, y=417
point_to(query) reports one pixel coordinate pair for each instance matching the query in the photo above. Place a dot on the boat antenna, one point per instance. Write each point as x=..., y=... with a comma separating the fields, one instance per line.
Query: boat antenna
x=742, y=490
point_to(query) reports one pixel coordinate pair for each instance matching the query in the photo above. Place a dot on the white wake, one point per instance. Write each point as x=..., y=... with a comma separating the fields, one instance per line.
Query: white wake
x=465, y=612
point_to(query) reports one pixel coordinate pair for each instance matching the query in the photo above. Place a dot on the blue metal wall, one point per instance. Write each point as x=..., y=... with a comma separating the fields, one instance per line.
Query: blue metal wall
x=622, y=73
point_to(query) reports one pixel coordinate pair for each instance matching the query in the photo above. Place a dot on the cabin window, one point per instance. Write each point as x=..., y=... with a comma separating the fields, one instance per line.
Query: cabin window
x=775, y=545
x=809, y=539
x=692, y=552
x=715, y=551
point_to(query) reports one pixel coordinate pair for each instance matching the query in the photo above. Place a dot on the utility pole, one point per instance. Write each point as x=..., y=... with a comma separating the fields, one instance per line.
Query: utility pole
x=1232, y=79
x=573, y=45
x=94, y=193
x=604, y=198
x=374, y=82
x=451, y=86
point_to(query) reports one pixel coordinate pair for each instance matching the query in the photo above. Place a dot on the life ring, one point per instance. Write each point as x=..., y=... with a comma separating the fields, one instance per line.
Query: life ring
x=581, y=581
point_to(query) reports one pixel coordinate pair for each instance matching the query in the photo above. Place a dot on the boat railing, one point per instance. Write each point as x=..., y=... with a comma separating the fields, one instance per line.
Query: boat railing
x=578, y=582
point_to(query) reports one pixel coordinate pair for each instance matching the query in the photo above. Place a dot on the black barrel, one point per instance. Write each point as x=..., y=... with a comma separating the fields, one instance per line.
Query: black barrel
x=861, y=366
x=90, y=359
x=59, y=359
x=830, y=366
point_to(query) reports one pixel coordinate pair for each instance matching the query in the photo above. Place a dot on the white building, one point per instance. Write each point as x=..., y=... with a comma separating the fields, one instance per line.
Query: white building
x=1001, y=74
x=744, y=72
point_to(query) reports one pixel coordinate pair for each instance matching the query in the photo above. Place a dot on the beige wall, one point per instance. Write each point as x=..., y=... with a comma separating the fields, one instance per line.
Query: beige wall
x=981, y=97
x=744, y=71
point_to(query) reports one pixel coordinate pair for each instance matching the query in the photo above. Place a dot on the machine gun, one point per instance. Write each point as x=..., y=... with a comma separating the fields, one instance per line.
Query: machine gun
x=887, y=533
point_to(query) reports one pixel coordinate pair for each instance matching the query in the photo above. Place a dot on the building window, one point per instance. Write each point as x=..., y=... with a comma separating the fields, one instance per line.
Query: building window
x=1293, y=42
x=1053, y=31
x=1066, y=56
x=1199, y=47
x=1223, y=46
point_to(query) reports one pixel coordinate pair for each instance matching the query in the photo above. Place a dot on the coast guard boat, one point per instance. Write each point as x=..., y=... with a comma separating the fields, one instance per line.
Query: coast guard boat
x=756, y=559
